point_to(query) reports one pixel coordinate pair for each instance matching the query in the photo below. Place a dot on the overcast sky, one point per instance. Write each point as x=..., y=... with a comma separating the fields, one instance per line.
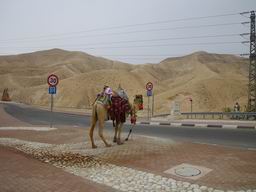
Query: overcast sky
x=133, y=31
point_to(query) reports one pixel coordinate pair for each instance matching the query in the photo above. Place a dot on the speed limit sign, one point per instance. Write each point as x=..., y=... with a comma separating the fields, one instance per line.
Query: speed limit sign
x=149, y=86
x=52, y=80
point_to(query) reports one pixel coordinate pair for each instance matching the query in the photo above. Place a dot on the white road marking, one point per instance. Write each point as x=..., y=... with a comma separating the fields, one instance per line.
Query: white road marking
x=175, y=124
x=200, y=125
x=154, y=123
x=28, y=128
x=229, y=126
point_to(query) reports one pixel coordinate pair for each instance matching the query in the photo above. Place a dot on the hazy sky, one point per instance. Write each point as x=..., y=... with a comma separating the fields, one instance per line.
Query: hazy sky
x=133, y=31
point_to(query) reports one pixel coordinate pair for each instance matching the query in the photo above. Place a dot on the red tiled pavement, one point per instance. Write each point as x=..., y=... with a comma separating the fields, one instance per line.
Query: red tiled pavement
x=233, y=168
x=19, y=172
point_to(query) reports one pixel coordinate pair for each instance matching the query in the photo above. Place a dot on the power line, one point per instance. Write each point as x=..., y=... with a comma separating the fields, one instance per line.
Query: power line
x=153, y=55
x=164, y=45
x=80, y=34
x=162, y=57
x=164, y=39
x=153, y=45
x=150, y=40
x=130, y=32
x=129, y=25
x=145, y=55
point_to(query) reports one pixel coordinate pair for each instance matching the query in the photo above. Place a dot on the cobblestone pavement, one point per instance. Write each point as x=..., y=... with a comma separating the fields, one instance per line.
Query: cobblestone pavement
x=138, y=165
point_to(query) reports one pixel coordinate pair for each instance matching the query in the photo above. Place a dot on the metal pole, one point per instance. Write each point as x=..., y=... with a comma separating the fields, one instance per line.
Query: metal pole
x=148, y=108
x=153, y=103
x=252, y=67
x=191, y=108
x=51, y=109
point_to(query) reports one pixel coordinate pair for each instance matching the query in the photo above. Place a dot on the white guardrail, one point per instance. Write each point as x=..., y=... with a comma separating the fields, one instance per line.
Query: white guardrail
x=216, y=115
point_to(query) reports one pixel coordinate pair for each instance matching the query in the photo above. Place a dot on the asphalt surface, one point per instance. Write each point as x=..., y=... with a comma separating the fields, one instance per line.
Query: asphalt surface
x=241, y=138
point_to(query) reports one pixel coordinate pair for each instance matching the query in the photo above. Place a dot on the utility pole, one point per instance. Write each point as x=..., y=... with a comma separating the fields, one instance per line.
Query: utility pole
x=252, y=67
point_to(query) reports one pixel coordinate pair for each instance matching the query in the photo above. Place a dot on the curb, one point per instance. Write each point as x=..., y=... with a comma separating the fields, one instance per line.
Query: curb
x=227, y=126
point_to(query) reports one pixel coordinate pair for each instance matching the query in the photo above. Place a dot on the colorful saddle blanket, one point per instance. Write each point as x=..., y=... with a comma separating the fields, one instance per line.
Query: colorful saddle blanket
x=119, y=108
x=103, y=99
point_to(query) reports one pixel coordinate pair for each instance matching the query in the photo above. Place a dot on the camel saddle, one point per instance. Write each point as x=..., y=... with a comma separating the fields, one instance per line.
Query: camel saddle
x=119, y=108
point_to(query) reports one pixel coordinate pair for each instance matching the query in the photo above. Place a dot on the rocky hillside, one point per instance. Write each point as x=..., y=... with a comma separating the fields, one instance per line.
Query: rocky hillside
x=214, y=81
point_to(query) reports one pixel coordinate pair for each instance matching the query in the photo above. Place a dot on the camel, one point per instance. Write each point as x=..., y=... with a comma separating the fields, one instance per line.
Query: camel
x=118, y=110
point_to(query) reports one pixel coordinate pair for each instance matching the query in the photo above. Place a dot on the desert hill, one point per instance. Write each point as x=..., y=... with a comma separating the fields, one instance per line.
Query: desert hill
x=214, y=81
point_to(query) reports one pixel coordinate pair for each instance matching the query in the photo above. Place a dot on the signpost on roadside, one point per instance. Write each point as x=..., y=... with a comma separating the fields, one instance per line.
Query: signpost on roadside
x=52, y=81
x=149, y=87
x=191, y=102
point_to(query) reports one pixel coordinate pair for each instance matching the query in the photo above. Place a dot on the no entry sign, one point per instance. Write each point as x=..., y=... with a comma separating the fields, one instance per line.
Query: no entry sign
x=149, y=86
x=52, y=80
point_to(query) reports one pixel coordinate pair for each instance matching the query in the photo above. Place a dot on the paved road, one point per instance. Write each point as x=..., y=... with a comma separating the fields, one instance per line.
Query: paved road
x=236, y=138
x=42, y=117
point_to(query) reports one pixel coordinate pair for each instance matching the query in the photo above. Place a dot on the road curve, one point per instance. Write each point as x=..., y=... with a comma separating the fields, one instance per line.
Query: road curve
x=242, y=138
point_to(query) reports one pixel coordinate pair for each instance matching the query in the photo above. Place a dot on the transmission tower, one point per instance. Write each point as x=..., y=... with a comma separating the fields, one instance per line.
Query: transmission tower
x=252, y=67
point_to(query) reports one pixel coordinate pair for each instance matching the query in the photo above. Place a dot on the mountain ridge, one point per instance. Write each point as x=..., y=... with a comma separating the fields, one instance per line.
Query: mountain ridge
x=214, y=81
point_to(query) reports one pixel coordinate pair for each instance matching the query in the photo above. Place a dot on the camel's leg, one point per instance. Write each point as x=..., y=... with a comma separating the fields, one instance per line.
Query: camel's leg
x=115, y=136
x=101, y=118
x=120, y=127
x=93, y=123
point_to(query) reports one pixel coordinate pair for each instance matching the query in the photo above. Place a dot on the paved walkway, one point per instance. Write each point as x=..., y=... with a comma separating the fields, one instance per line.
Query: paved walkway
x=36, y=159
x=231, y=169
x=20, y=172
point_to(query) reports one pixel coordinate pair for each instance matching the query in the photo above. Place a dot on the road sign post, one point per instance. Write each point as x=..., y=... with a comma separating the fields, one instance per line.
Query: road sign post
x=191, y=104
x=149, y=88
x=153, y=103
x=191, y=101
x=52, y=81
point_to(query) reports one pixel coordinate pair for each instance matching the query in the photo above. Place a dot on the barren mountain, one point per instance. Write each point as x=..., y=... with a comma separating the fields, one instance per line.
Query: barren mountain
x=214, y=81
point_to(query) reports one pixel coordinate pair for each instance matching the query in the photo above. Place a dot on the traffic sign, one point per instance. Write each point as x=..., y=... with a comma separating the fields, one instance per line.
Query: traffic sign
x=52, y=90
x=149, y=86
x=149, y=93
x=52, y=80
